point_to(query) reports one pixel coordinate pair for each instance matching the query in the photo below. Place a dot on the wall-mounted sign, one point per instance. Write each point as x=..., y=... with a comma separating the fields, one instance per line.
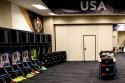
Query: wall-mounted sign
x=86, y=6
x=37, y=21
x=92, y=5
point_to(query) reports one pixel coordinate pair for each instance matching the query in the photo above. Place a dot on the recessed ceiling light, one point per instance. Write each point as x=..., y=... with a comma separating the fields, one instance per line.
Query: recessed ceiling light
x=39, y=6
x=52, y=14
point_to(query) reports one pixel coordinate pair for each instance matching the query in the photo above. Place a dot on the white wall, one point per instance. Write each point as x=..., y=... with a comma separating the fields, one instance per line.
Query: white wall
x=97, y=19
x=88, y=19
x=105, y=37
x=62, y=37
x=12, y=17
x=18, y=20
x=49, y=29
x=5, y=14
x=70, y=39
x=75, y=43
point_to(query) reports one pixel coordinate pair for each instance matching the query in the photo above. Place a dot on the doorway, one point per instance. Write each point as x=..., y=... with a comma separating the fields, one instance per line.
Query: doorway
x=89, y=47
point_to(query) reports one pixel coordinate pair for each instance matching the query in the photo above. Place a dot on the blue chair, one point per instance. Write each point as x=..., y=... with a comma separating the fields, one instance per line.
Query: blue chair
x=31, y=64
x=2, y=77
x=9, y=70
x=22, y=67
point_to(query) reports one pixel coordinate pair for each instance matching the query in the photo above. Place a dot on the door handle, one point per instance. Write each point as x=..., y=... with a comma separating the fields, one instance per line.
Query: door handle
x=84, y=48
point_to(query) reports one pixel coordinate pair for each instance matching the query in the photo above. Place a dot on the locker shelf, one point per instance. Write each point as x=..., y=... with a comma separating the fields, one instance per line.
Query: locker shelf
x=24, y=37
x=4, y=35
x=32, y=38
x=14, y=36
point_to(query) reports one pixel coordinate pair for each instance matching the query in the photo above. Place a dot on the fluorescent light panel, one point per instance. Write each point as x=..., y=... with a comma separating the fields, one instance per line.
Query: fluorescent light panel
x=52, y=14
x=39, y=6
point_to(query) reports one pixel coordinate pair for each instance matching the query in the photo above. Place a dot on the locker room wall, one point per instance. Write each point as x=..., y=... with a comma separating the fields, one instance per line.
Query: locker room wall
x=50, y=21
x=69, y=38
x=5, y=14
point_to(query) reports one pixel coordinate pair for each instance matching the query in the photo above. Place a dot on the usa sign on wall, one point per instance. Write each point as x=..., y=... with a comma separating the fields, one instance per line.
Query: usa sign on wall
x=86, y=6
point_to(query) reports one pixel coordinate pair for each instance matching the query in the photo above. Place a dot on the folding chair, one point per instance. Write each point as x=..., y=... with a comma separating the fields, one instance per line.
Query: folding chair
x=3, y=75
x=35, y=60
x=9, y=70
x=33, y=56
x=7, y=66
x=16, y=61
x=27, y=62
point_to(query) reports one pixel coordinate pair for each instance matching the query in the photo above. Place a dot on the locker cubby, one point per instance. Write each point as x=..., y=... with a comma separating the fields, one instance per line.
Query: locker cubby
x=24, y=37
x=14, y=36
x=5, y=48
x=38, y=38
x=25, y=47
x=12, y=40
x=41, y=36
x=44, y=38
x=4, y=36
x=48, y=38
x=32, y=38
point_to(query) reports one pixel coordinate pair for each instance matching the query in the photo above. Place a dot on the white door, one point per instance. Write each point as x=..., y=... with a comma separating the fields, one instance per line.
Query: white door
x=89, y=42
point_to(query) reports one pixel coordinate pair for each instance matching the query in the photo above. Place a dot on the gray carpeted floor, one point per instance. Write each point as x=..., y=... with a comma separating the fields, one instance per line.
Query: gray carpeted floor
x=78, y=72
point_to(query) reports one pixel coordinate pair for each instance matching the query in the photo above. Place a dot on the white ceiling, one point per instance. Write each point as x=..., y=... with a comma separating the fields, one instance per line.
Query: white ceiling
x=27, y=4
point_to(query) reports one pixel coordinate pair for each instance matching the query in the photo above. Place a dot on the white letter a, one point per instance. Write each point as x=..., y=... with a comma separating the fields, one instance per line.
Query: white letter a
x=101, y=6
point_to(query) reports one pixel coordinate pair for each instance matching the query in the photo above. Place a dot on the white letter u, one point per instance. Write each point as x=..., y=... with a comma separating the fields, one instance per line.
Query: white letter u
x=81, y=5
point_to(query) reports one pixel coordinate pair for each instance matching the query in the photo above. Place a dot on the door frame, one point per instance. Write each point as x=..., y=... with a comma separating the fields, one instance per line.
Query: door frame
x=84, y=45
